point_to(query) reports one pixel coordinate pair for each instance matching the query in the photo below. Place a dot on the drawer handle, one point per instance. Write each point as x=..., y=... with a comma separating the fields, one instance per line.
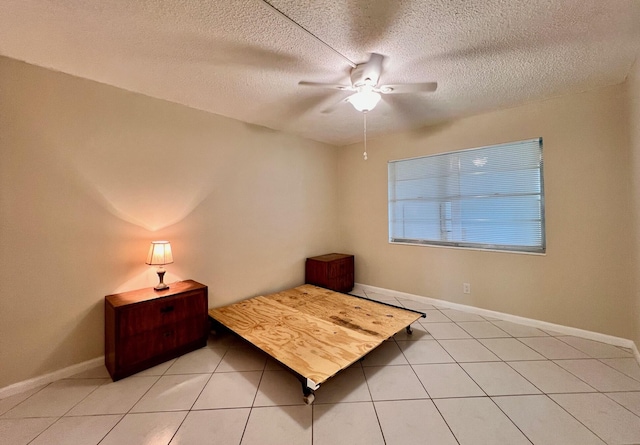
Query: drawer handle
x=167, y=309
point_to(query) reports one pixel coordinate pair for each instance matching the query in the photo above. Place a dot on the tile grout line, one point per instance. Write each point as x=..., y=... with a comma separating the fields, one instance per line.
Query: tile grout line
x=624, y=373
x=548, y=394
x=163, y=374
x=445, y=421
x=618, y=403
x=543, y=393
x=43, y=431
x=477, y=339
x=134, y=404
x=66, y=412
x=577, y=420
x=628, y=354
x=604, y=393
x=375, y=411
x=22, y=401
x=511, y=420
x=479, y=386
x=373, y=404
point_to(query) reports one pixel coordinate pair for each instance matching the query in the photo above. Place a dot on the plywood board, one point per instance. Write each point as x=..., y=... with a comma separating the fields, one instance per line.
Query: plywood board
x=358, y=314
x=313, y=331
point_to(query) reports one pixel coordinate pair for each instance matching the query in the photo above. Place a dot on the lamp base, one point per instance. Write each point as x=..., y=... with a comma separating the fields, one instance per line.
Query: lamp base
x=161, y=285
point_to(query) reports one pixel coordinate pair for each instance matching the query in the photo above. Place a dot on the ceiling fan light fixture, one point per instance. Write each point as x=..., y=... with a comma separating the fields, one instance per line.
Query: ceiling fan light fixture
x=364, y=100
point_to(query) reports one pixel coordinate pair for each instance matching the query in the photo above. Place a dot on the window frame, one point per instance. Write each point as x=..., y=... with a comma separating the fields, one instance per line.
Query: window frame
x=457, y=244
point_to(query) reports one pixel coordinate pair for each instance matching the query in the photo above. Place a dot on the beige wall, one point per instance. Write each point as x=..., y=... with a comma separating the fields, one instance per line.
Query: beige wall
x=634, y=119
x=583, y=281
x=89, y=174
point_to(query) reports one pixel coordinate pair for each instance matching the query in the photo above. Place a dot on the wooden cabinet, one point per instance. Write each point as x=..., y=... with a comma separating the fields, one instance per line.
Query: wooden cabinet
x=332, y=271
x=146, y=327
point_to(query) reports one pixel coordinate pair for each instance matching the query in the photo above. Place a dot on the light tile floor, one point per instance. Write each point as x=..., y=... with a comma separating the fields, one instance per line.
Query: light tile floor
x=459, y=379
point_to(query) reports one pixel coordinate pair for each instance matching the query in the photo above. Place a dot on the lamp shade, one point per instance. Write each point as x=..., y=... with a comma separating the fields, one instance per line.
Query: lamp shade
x=364, y=100
x=159, y=253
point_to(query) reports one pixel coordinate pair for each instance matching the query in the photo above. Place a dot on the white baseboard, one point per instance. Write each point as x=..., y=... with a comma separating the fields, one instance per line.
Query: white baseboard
x=603, y=338
x=26, y=385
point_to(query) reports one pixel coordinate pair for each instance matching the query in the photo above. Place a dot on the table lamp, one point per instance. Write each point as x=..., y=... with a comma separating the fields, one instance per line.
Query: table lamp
x=159, y=255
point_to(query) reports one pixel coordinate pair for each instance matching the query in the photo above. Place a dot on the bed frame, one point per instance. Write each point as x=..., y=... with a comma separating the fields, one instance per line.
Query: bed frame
x=314, y=332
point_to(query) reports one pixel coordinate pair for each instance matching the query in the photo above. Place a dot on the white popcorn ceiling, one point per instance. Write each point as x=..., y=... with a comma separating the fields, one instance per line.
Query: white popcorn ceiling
x=241, y=59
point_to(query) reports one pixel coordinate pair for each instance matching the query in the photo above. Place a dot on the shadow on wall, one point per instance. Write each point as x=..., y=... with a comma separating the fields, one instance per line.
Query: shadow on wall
x=148, y=195
x=143, y=162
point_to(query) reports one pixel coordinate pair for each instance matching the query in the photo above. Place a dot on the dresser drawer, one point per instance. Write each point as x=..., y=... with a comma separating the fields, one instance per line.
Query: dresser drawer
x=152, y=315
x=146, y=345
x=145, y=327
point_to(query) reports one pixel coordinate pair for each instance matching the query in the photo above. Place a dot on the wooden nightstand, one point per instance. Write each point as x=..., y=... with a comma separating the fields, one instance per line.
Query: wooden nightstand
x=146, y=327
x=332, y=271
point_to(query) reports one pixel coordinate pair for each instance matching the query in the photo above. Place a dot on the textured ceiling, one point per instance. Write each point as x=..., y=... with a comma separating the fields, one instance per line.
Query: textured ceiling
x=242, y=59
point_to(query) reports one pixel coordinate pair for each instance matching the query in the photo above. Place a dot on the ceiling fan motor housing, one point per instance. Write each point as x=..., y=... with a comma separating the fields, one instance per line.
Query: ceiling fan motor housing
x=365, y=74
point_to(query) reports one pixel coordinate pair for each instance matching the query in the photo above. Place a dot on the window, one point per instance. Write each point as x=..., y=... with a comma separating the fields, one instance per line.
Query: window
x=487, y=198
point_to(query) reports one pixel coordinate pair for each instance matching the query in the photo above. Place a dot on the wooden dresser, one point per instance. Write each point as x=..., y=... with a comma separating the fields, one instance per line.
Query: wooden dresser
x=146, y=327
x=332, y=271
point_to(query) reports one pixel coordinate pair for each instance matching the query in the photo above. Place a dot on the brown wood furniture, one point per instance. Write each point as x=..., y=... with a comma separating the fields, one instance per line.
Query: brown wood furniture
x=146, y=327
x=332, y=271
x=314, y=332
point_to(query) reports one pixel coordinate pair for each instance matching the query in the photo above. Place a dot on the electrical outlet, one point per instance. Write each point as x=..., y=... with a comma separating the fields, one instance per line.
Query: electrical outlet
x=466, y=288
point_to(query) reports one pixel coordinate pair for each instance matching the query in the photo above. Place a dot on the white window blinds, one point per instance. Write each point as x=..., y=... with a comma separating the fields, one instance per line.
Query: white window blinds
x=488, y=198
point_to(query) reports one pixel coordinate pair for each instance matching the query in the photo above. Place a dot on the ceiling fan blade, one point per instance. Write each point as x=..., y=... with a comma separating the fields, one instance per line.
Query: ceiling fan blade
x=301, y=106
x=404, y=111
x=403, y=88
x=331, y=86
x=375, y=61
x=334, y=107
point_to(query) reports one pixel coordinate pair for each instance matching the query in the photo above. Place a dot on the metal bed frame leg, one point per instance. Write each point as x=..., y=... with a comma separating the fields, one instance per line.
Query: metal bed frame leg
x=308, y=395
x=308, y=390
x=409, y=330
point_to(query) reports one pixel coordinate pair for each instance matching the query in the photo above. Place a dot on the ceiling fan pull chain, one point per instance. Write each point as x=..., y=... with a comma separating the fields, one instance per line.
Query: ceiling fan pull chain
x=364, y=155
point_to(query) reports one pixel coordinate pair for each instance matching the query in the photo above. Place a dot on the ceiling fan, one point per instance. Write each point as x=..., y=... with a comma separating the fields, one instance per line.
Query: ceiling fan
x=364, y=84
